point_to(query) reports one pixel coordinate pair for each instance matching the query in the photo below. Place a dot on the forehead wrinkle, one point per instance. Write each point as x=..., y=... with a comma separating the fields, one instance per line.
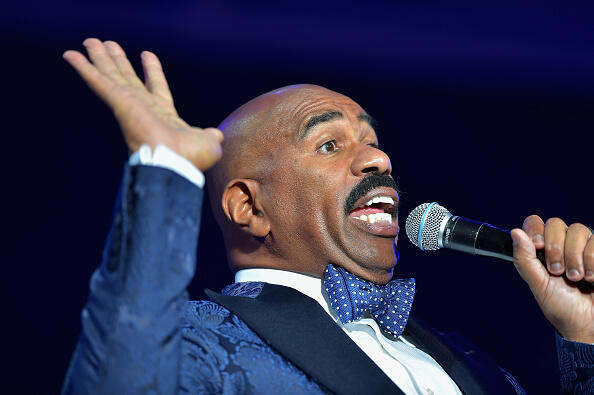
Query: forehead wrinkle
x=327, y=116
x=301, y=112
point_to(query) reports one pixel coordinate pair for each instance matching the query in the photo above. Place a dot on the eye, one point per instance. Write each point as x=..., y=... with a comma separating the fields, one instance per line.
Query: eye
x=328, y=147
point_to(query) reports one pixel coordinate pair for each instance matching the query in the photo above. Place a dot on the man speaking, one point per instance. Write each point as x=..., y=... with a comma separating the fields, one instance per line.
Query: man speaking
x=309, y=213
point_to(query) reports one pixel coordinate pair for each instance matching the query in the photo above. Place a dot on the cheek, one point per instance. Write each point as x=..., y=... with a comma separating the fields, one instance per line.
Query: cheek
x=310, y=195
x=292, y=201
x=314, y=196
x=326, y=192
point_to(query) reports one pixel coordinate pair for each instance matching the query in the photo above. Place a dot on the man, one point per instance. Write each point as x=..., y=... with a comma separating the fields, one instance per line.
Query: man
x=305, y=199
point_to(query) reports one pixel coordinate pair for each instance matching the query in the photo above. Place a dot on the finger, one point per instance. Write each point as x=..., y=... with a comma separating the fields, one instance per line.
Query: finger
x=122, y=63
x=534, y=228
x=555, y=230
x=525, y=261
x=216, y=133
x=589, y=259
x=575, y=243
x=154, y=77
x=97, y=81
x=102, y=61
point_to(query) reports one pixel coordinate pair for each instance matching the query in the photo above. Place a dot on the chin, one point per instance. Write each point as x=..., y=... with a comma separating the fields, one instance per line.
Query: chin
x=378, y=276
x=386, y=268
x=373, y=260
x=381, y=267
x=374, y=270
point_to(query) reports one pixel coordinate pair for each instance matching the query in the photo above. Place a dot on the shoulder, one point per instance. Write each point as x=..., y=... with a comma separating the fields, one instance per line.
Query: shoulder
x=220, y=353
x=201, y=317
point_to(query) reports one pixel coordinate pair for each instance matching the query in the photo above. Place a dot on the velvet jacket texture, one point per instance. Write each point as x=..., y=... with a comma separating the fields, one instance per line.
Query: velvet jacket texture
x=140, y=334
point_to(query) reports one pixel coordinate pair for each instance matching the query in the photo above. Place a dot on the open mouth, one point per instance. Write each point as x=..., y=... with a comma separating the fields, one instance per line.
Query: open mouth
x=376, y=213
x=377, y=209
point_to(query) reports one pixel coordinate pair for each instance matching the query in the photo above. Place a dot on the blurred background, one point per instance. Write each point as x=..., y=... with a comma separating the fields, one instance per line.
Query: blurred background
x=484, y=108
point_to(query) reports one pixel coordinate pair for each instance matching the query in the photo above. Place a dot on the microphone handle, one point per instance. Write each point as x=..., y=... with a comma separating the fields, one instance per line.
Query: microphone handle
x=479, y=238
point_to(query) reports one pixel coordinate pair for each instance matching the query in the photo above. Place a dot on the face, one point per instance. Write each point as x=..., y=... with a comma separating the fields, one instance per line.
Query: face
x=329, y=193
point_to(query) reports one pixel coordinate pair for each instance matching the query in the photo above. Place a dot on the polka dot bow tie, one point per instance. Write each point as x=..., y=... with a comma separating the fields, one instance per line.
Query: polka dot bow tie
x=351, y=296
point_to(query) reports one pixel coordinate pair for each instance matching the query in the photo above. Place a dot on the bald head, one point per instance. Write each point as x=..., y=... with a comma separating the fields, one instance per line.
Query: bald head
x=251, y=132
x=292, y=161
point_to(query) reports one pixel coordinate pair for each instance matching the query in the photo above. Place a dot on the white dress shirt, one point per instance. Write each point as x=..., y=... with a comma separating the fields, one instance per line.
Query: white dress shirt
x=411, y=369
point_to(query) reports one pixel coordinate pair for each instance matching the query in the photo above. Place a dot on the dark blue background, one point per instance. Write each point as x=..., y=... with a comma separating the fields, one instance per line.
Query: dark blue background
x=487, y=109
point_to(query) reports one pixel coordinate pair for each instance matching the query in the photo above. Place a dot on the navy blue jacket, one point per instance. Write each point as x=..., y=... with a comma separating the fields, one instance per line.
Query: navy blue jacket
x=141, y=335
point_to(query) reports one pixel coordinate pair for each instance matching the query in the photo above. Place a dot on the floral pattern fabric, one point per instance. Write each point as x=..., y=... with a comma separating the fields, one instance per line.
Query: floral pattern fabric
x=576, y=363
x=221, y=354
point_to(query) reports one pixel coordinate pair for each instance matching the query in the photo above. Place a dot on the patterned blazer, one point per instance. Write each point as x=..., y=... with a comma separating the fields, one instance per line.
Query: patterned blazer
x=141, y=335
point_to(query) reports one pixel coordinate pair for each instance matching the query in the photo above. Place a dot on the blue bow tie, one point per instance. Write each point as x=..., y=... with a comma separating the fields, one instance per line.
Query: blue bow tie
x=351, y=296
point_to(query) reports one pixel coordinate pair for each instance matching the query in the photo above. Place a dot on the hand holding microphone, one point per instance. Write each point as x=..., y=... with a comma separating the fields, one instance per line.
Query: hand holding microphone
x=431, y=226
x=555, y=260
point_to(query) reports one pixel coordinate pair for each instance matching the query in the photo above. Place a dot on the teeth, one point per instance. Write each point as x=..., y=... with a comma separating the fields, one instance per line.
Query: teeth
x=373, y=218
x=380, y=199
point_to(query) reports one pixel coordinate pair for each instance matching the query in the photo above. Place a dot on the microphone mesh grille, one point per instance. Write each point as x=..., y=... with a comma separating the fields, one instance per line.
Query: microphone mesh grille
x=433, y=215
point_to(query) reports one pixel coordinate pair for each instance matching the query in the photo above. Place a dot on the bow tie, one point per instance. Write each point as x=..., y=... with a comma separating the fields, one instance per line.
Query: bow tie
x=351, y=296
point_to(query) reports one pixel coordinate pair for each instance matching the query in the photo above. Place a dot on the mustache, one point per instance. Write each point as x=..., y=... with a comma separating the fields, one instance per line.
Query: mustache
x=366, y=185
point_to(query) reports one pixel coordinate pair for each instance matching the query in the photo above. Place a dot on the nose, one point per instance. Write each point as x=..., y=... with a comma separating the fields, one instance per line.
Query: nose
x=369, y=159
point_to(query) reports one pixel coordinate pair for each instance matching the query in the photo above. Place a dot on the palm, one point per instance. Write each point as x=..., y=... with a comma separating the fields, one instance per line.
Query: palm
x=567, y=307
x=567, y=304
x=145, y=111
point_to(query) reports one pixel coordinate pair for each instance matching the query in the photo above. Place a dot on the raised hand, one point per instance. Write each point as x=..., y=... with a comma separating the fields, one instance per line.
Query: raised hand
x=569, y=251
x=144, y=111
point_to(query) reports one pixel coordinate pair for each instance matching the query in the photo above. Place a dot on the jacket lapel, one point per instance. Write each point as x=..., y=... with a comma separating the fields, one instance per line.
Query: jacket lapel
x=298, y=328
x=473, y=371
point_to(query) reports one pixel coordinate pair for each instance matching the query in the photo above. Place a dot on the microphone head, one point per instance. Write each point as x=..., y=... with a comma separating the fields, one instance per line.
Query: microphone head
x=423, y=224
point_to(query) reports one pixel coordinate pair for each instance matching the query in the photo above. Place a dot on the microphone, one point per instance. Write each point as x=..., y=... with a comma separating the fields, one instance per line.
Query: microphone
x=430, y=227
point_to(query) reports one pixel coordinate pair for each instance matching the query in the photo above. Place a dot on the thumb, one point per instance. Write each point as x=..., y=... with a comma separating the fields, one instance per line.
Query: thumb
x=526, y=262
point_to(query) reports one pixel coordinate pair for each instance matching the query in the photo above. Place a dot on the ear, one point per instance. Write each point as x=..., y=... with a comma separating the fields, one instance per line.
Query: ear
x=241, y=204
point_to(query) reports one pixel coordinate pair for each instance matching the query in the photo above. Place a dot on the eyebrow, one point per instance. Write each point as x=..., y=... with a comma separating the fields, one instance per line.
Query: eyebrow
x=318, y=119
x=331, y=116
x=368, y=119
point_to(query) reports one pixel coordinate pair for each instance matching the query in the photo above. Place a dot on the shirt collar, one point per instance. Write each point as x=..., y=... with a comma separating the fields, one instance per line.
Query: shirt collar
x=308, y=285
